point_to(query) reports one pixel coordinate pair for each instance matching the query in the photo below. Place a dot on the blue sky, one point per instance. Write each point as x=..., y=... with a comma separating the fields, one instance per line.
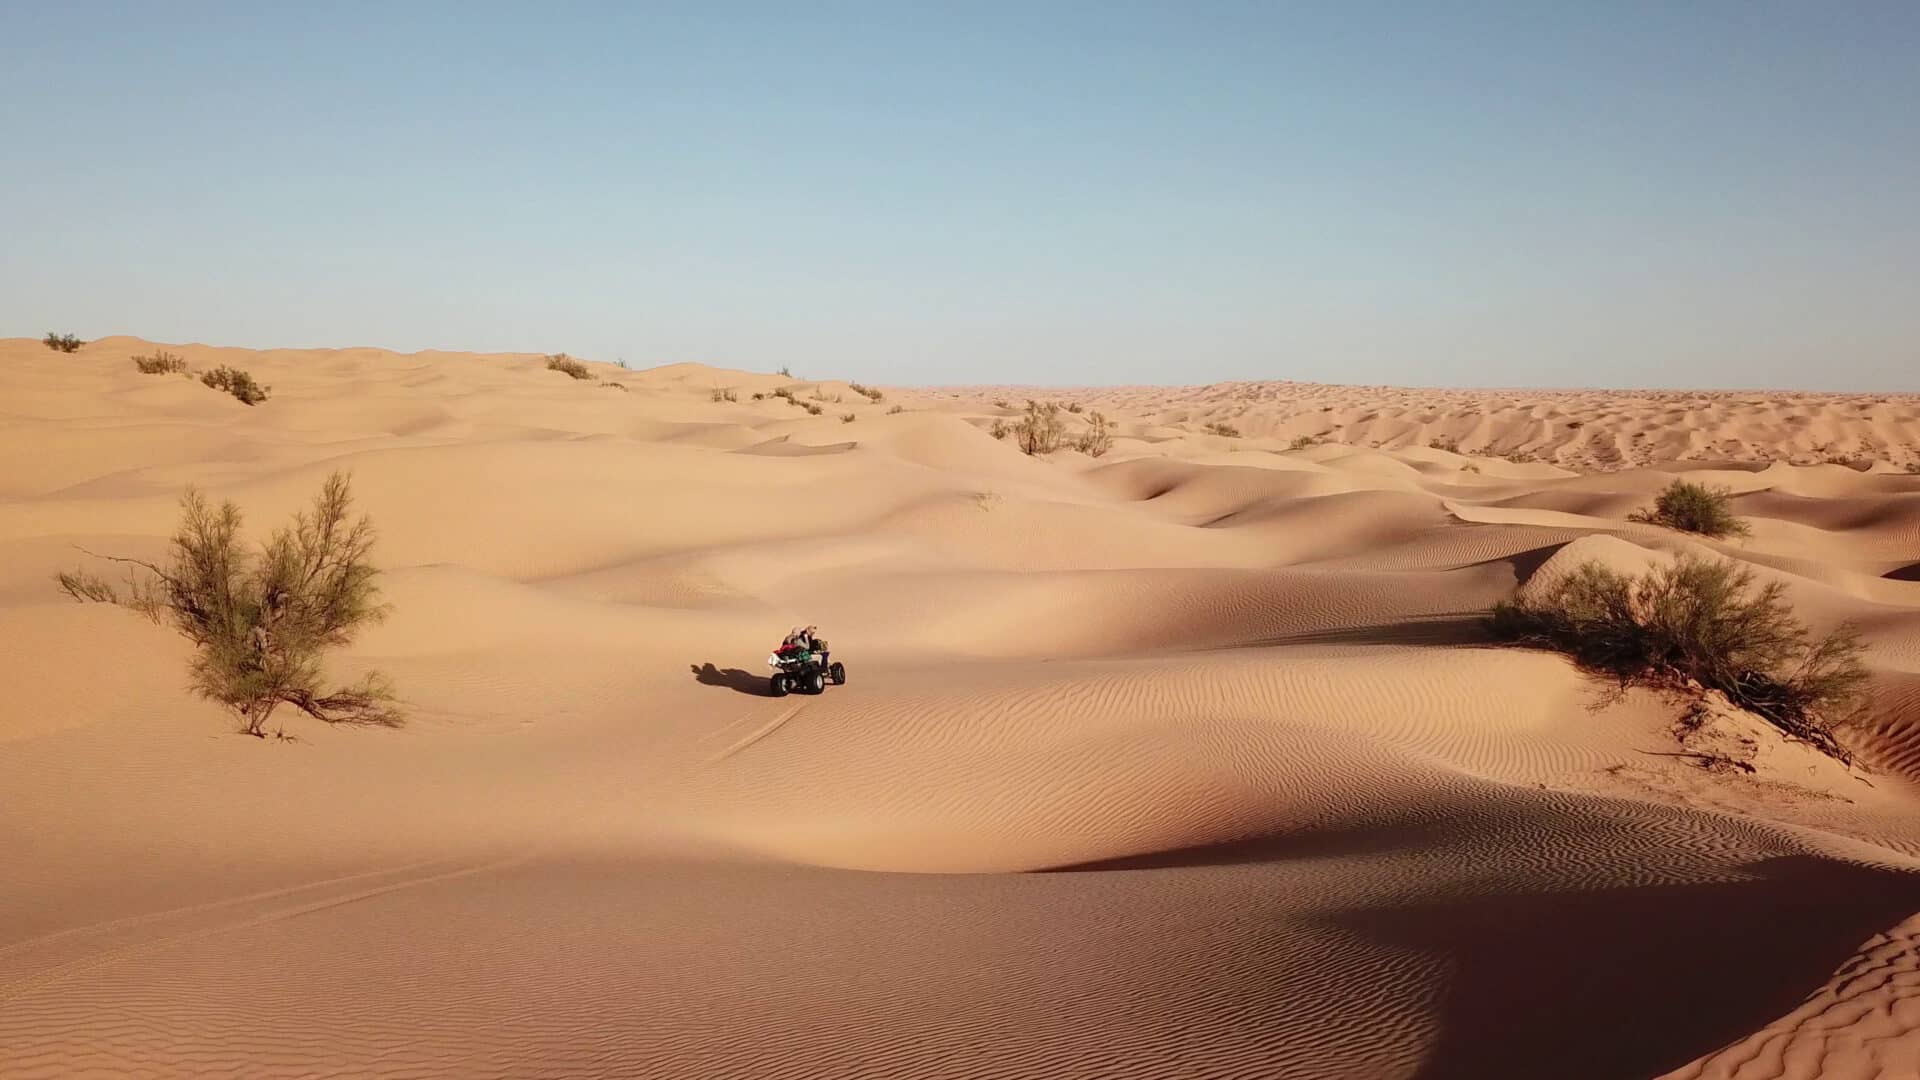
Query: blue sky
x=1701, y=194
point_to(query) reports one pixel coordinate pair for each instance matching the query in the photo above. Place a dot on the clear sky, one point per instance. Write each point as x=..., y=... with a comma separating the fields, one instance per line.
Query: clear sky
x=1536, y=193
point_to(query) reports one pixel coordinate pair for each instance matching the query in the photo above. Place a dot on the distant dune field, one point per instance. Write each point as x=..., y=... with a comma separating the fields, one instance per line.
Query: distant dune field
x=1191, y=759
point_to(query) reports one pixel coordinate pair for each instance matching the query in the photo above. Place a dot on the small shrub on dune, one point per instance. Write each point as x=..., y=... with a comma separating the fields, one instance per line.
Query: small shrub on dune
x=999, y=430
x=1446, y=442
x=896, y=410
x=785, y=392
x=236, y=382
x=759, y=396
x=1040, y=429
x=814, y=410
x=609, y=384
x=1000, y=404
x=1699, y=622
x=62, y=342
x=1074, y=407
x=261, y=622
x=1694, y=508
x=563, y=363
x=1223, y=429
x=868, y=392
x=786, y=373
x=848, y=418
x=725, y=394
x=1098, y=438
x=1301, y=442
x=160, y=363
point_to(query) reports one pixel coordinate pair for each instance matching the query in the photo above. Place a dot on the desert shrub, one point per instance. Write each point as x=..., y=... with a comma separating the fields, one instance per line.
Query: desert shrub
x=609, y=384
x=999, y=430
x=1221, y=427
x=814, y=410
x=236, y=382
x=1001, y=404
x=1098, y=438
x=571, y=366
x=1446, y=442
x=785, y=392
x=1040, y=429
x=1073, y=407
x=868, y=392
x=1301, y=442
x=1520, y=457
x=1699, y=622
x=786, y=373
x=759, y=396
x=725, y=394
x=1913, y=466
x=848, y=418
x=896, y=410
x=261, y=622
x=1694, y=508
x=62, y=342
x=160, y=363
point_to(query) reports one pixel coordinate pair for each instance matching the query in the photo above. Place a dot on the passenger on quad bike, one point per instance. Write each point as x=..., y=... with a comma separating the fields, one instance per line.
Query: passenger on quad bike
x=803, y=663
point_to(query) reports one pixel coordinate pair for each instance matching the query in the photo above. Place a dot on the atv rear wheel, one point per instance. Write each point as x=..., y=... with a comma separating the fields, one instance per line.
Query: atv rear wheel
x=778, y=686
x=816, y=683
x=837, y=673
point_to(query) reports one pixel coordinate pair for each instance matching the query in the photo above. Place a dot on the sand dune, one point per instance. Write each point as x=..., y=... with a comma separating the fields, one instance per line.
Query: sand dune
x=1192, y=759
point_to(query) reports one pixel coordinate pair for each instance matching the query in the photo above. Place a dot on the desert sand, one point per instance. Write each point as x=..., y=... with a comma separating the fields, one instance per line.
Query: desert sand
x=1191, y=760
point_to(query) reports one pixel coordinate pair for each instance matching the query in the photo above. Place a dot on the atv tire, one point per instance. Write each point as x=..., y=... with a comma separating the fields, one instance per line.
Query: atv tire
x=837, y=673
x=816, y=683
x=778, y=686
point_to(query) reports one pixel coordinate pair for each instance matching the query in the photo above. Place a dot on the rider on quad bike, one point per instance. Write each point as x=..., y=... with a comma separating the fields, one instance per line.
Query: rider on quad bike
x=802, y=663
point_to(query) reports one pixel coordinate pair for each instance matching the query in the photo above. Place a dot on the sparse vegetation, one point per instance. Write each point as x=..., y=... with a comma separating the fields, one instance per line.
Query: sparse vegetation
x=1223, y=429
x=868, y=392
x=160, y=363
x=611, y=385
x=896, y=410
x=785, y=392
x=721, y=393
x=1001, y=404
x=1301, y=442
x=1073, y=407
x=848, y=418
x=1446, y=442
x=814, y=410
x=1520, y=457
x=236, y=382
x=260, y=623
x=757, y=396
x=1694, y=508
x=569, y=365
x=1040, y=429
x=786, y=373
x=999, y=430
x=62, y=342
x=1699, y=623
x=1098, y=438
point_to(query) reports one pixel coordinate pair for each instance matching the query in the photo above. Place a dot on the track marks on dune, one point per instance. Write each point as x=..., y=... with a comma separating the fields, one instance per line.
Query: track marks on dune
x=759, y=733
x=119, y=940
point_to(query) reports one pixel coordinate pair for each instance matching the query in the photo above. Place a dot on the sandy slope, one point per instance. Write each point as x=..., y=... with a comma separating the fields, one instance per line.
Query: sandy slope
x=1185, y=761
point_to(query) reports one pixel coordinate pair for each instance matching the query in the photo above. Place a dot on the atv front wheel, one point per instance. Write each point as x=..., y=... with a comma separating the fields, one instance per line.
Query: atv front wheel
x=816, y=683
x=837, y=673
x=777, y=686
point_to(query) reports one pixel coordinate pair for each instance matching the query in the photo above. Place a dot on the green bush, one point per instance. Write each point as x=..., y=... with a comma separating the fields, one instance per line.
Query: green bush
x=62, y=342
x=1699, y=622
x=236, y=382
x=1694, y=508
x=260, y=623
x=160, y=363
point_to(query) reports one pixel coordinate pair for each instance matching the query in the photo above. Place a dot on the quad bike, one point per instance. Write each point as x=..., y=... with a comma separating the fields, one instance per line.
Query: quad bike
x=795, y=667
